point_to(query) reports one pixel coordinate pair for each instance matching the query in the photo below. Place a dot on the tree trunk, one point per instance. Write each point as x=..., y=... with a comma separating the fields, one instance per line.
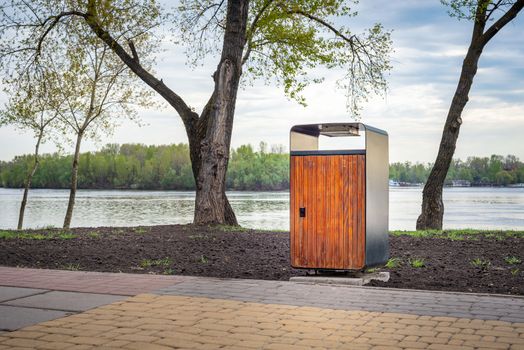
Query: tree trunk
x=74, y=181
x=432, y=213
x=195, y=136
x=211, y=204
x=28, y=181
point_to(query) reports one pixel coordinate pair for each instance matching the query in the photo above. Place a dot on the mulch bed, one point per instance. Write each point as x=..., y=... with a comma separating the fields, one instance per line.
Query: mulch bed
x=214, y=252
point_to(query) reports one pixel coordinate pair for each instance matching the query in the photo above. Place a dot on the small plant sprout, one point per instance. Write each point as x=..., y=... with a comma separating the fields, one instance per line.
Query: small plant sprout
x=515, y=272
x=140, y=230
x=393, y=263
x=417, y=263
x=72, y=267
x=94, y=234
x=203, y=259
x=165, y=262
x=512, y=260
x=480, y=263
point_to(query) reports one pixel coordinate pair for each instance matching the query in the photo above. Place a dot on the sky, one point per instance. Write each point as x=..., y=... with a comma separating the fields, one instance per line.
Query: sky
x=429, y=47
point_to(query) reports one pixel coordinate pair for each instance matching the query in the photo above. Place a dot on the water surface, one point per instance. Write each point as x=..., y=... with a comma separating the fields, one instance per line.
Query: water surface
x=488, y=208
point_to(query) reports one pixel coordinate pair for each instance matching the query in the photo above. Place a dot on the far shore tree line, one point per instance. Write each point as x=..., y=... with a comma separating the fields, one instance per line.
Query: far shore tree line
x=168, y=167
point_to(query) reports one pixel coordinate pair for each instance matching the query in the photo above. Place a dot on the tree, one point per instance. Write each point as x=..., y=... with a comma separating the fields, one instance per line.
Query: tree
x=481, y=12
x=32, y=106
x=97, y=91
x=276, y=40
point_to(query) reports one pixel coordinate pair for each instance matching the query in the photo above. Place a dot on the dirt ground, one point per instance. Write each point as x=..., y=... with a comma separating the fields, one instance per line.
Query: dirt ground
x=478, y=264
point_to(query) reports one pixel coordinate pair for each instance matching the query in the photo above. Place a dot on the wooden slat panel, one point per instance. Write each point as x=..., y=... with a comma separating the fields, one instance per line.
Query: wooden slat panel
x=332, y=189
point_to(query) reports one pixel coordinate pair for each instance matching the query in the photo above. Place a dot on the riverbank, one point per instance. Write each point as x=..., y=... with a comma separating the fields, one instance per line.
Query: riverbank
x=462, y=260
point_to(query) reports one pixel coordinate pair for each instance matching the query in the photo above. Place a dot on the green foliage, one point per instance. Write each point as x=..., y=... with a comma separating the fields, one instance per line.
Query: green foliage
x=417, y=263
x=460, y=234
x=203, y=259
x=168, y=167
x=393, y=263
x=480, y=263
x=494, y=170
x=288, y=40
x=515, y=272
x=512, y=260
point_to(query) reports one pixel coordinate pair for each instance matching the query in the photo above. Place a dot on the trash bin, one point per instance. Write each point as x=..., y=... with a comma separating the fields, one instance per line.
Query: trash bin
x=338, y=197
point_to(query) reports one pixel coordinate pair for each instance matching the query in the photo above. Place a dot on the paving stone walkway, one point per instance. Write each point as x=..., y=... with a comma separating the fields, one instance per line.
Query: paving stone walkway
x=207, y=313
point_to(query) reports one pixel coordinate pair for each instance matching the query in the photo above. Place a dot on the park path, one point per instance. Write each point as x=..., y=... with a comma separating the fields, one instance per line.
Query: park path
x=105, y=310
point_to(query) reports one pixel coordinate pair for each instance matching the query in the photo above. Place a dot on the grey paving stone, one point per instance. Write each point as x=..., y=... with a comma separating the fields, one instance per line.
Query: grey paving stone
x=354, y=298
x=8, y=293
x=13, y=317
x=68, y=301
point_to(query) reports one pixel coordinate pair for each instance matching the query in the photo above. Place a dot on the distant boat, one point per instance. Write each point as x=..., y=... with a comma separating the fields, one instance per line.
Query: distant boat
x=460, y=183
x=393, y=183
x=520, y=185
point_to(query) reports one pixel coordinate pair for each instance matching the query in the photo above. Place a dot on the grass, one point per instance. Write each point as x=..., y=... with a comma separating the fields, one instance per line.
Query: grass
x=480, y=263
x=230, y=228
x=515, y=272
x=460, y=234
x=141, y=230
x=417, y=263
x=36, y=235
x=203, y=259
x=197, y=236
x=512, y=260
x=165, y=262
x=93, y=234
x=71, y=267
x=393, y=263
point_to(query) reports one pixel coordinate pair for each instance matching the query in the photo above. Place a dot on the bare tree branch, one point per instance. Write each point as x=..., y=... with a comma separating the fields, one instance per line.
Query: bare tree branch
x=502, y=21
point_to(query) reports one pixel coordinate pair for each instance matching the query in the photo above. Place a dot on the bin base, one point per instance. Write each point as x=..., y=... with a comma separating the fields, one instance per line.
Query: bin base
x=354, y=279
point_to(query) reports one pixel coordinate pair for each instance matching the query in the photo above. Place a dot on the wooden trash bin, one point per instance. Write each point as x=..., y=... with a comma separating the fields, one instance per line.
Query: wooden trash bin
x=339, y=197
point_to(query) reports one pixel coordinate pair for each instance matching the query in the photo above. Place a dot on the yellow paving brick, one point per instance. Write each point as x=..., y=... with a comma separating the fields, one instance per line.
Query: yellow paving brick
x=55, y=346
x=27, y=334
x=380, y=335
x=61, y=338
x=486, y=345
x=200, y=323
x=413, y=344
x=23, y=342
x=89, y=340
x=317, y=343
x=495, y=333
x=250, y=330
x=137, y=338
x=511, y=340
x=251, y=344
x=218, y=340
x=80, y=347
x=246, y=336
x=271, y=332
x=433, y=340
x=145, y=346
x=212, y=333
x=282, y=346
x=116, y=343
x=448, y=347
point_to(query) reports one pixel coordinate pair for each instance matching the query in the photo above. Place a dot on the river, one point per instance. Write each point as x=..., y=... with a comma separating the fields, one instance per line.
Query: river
x=487, y=208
